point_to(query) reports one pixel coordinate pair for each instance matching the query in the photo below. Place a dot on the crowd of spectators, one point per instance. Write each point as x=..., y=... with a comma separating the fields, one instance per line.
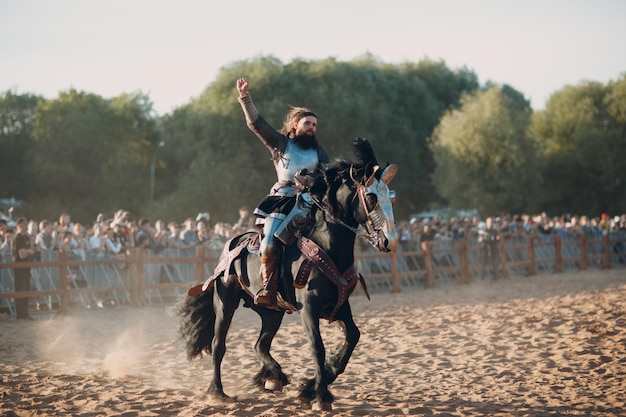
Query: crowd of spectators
x=507, y=226
x=115, y=236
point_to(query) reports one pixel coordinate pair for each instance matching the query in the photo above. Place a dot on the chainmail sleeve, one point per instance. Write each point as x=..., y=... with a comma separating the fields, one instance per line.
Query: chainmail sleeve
x=249, y=109
x=271, y=138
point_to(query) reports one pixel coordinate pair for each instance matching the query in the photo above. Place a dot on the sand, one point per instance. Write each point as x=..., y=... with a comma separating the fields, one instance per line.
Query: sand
x=534, y=346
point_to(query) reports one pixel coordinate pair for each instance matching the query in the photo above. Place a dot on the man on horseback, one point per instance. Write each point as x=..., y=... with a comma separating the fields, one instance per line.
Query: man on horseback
x=294, y=148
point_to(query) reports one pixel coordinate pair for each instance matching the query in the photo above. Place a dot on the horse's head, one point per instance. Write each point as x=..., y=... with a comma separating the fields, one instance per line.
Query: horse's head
x=359, y=192
x=376, y=200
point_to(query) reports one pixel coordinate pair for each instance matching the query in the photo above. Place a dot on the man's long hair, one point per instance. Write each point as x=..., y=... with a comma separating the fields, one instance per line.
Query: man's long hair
x=294, y=115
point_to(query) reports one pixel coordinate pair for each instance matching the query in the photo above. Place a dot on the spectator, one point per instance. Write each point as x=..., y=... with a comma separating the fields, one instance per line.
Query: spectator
x=7, y=218
x=203, y=233
x=222, y=231
x=159, y=229
x=517, y=229
x=428, y=233
x=80, y=241
x=173, y=240
x=97, y=241
x=22, y=250
x=489, y=237
x=67, y=243
x=99, y=219
x=130, y=231
x=146, y=236
x=6, y=238
x=65, y=224
x=204, y=217
x=575, y=229
x=45, y=240
x=111, y=246
x=605, y=223
x=245, y=223
x=120, y=235
x=188, y=235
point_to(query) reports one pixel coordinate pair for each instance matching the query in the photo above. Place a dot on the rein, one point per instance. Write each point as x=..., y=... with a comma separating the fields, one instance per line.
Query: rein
x=371, y=237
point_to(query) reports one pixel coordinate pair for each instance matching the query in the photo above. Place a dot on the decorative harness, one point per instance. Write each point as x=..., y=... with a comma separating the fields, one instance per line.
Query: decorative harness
x=317, y=257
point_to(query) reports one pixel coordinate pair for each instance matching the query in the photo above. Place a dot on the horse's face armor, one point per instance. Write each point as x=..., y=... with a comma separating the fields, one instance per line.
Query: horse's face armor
x=380, y=224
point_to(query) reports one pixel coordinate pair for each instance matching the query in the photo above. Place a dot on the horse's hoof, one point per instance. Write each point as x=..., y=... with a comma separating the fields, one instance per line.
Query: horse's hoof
x=273, y=385
x=220, y=400
x=216, y=398
x=322, y=406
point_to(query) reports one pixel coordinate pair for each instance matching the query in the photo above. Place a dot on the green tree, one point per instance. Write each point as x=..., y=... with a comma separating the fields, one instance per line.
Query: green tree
x=91, y=155
x=363, y=98
x=485, y=159
x=17, y=121
x=583, y=140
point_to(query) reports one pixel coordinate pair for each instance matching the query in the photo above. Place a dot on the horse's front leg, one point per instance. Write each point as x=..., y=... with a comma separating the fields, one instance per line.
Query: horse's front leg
x=315, y=391
x=270, y=376
x=225, y=302
x=337, y=362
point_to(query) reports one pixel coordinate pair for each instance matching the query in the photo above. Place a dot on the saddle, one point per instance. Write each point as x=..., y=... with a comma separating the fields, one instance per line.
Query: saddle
x=315, y=257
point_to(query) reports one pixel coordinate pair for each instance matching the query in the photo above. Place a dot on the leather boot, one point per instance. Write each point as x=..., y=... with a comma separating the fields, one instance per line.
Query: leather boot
x=267, y=295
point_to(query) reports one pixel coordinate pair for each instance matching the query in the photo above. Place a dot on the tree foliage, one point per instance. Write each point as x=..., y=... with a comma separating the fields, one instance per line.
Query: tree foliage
x=485, y=159
x=582, y=134
x=88, y=154
x=455, y=142
x=18, y=117
x=362, y=98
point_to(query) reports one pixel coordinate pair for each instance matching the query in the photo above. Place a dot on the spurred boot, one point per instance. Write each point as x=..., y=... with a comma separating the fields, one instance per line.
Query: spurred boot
x=267, y=296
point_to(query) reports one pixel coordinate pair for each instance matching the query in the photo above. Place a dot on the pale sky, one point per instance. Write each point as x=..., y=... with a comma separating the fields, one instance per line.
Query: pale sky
x=172, y=50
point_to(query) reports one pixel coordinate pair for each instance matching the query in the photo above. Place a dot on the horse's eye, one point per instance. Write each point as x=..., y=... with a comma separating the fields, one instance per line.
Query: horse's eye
x=372, y=200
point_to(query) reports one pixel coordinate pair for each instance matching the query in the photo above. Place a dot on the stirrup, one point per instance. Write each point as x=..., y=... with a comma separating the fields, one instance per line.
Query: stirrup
x=265, y=298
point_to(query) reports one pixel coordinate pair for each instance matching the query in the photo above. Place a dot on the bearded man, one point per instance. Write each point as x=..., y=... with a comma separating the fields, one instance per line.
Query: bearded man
x=294, y=149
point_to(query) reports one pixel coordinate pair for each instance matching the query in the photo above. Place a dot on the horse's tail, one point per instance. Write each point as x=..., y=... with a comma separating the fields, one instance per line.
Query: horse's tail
x=197, y=322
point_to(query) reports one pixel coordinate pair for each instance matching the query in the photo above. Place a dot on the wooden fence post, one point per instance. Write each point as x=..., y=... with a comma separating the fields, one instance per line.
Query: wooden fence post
x=582, y=247
x=464, y=260
x=607, y=250
x=199, y=272
x=395, y=277
x=428, y=260
x=137, y=278
x=530, y=242
x=64, y=285
x=502, y=272
x=558, y=254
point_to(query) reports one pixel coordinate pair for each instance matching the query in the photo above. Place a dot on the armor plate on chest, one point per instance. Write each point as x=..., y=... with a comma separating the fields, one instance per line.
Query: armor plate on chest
x=293, y=160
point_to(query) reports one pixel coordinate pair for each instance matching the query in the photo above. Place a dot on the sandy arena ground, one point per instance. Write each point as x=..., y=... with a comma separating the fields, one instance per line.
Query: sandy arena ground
x=536, y=346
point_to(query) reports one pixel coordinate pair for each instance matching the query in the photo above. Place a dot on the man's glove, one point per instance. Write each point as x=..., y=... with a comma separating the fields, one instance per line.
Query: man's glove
x=302, y=178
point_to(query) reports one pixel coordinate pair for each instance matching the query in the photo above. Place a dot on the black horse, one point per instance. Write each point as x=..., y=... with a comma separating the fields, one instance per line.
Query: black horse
x=350, y=198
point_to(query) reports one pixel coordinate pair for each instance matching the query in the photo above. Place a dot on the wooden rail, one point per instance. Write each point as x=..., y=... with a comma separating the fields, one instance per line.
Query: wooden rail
x=463, y=251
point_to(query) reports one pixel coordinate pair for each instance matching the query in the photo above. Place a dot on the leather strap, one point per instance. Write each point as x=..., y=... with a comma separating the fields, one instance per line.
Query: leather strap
x=224, y=265
x=317, y=257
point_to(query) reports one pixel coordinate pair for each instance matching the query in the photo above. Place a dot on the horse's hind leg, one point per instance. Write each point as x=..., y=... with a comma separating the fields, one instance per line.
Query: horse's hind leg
x=270, y=376
x=225, y=301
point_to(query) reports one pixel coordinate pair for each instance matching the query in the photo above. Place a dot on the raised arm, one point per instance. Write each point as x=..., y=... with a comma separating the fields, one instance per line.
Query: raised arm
x=271, y=138
x=248, y=107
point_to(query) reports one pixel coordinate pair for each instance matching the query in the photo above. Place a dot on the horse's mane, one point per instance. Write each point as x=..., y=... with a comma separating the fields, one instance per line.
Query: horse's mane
x=341, y=170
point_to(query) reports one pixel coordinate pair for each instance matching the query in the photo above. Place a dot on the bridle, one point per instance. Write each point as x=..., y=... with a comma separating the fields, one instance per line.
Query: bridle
x=375, y=218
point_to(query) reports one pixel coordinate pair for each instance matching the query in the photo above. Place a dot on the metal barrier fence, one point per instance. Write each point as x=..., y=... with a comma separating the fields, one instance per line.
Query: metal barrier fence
x=60, y=281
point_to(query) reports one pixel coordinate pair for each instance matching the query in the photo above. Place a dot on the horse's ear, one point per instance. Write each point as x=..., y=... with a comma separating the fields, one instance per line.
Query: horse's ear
x=389, y=172
x=370, y=180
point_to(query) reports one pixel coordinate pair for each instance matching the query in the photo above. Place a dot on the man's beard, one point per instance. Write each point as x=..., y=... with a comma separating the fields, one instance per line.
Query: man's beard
x=306, y=141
